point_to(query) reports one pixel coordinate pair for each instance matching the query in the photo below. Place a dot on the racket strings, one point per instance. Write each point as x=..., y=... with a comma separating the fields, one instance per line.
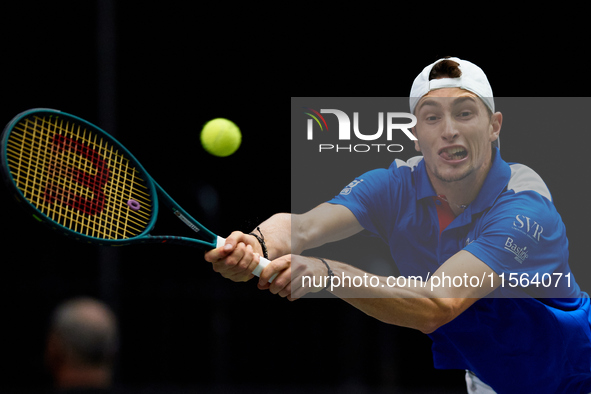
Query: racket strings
x=78, y=179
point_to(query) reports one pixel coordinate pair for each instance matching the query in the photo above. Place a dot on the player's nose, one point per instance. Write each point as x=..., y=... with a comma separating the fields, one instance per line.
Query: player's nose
x=449, y=130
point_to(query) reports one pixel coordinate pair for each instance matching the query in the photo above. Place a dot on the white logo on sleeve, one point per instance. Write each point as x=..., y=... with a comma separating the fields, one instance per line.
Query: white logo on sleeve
x=528, y=226
x=347, y=189
x=520, y=253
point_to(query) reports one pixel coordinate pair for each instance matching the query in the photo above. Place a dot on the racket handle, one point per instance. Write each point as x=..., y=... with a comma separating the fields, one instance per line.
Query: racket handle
x=263, y=262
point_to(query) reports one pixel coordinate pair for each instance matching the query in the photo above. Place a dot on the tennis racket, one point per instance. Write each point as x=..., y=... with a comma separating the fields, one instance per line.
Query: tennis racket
x=75, y=177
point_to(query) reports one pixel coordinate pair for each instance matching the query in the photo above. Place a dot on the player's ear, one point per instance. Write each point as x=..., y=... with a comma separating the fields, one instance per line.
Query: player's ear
x=414, y=132
x=496, y=121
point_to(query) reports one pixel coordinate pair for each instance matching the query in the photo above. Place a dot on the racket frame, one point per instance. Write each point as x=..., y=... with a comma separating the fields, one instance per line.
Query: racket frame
x=210, y=240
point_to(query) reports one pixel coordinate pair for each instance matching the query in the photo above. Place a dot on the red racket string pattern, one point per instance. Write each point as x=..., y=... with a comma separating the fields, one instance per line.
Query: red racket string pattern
x=77, y=179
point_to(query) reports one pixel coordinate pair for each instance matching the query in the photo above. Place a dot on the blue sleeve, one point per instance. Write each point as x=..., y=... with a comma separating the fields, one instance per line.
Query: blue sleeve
x=366, y=197
x=523, y=234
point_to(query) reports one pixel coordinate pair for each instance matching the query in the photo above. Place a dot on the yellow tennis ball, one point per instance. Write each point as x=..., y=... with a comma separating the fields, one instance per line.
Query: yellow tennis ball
x=221, y=137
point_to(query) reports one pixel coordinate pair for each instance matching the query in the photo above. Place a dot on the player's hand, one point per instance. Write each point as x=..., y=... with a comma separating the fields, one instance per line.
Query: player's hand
x=237, y=258
x=290, y=270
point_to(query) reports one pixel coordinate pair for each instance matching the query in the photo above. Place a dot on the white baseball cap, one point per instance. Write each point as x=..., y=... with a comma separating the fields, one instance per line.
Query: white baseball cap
x=472, y=79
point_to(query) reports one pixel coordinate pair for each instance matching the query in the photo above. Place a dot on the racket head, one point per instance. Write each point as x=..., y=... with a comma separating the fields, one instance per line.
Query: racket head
x=75, y=177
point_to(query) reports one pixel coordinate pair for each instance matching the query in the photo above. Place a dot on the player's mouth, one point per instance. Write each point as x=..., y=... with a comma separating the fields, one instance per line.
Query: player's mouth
x=453, y=153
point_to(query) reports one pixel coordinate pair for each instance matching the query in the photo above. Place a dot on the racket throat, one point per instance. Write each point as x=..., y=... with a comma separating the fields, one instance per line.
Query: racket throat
x=184, y=219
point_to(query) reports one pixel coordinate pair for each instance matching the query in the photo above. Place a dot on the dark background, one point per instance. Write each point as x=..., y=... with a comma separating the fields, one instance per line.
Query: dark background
x=152, y=73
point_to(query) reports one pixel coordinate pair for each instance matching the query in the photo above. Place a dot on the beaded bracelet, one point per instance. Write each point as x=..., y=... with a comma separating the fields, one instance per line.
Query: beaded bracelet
x=261, y=240
x=330, y=273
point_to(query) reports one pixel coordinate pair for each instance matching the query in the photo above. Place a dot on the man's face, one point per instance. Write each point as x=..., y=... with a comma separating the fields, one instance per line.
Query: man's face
x=454, y=132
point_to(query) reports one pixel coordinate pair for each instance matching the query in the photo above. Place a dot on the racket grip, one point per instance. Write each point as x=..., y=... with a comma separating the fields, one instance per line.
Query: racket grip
x=263, y=262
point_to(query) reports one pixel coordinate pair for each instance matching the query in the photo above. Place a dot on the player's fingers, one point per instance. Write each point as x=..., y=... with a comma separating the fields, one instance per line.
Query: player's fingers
x=296, y=294
x=245, y=261
x=297, y=290
x=280, y=267
x=232, y=262
x=225, y=264
x=238, y=236
x=250, y=263
x=217, y=254
x=295, y=286
x=242, y=270
x=281, y=282
x=304, y=267
x=263, y=284
x=240, y=277
x=266, y=274
x=222, y=252
x=285, y=291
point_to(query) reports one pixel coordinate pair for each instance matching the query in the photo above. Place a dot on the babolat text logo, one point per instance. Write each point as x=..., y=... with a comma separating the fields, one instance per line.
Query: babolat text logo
x=520, y=253
x=386, y=123
x=528, y=226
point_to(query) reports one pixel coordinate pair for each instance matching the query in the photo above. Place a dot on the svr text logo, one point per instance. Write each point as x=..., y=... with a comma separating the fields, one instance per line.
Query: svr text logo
x=529, y=226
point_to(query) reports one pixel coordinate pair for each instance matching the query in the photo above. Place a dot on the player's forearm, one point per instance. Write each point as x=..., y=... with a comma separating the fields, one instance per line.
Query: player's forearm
x=423, y=314
x=412, y=306
x=294, y=233
x=324, y=224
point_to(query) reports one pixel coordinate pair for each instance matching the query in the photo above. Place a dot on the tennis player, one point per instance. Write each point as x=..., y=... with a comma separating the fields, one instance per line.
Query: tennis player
x=495, y=291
